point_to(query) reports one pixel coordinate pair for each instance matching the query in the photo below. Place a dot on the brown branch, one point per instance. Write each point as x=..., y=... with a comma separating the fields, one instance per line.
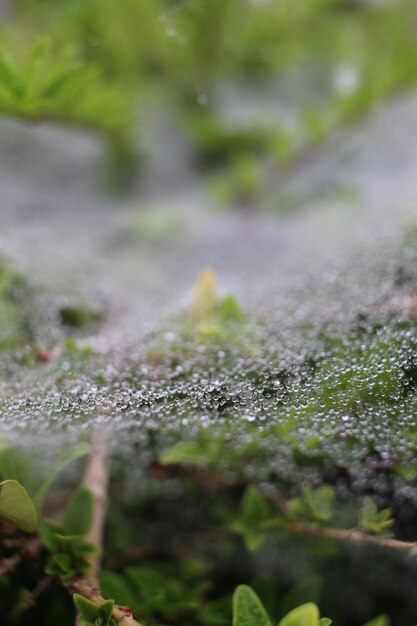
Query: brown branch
x=96, y=479
x=27, y=548
x=38, y=590
x=352, y=535
x=122, y=615
x=9, y=564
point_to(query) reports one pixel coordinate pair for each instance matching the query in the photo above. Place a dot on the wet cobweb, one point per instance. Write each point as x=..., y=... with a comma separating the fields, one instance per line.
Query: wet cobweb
x=318, y=383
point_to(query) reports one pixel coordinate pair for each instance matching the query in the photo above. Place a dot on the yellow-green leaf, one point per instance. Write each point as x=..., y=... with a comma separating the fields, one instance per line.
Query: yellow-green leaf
x=16, y=506
x=203, y=304
x=304, y=615
x=248, y=610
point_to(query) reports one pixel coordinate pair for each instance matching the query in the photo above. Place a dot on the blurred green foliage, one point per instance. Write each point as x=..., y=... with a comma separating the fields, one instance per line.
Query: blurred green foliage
x=15, y=322
x=106, y=60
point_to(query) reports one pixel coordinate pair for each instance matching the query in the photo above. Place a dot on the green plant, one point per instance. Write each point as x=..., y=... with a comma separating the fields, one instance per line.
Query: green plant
x=374, y=521
x=49, y=83
x=94, y=614
x=241, y=183
x=314, y=505
x=15, y=320
x=175, y=590
x=252, y=522
x=16, y=507
x=69, y=551
x=249, y=611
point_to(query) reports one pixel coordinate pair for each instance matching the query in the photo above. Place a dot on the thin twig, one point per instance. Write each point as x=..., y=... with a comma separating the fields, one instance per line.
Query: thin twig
x=352, y=535
x=28, y=548
x=122, y=615
x=38, y=590
x=96, y=479
x=9, y=564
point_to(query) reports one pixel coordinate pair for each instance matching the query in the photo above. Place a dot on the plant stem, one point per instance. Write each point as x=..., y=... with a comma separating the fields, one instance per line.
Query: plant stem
x=96, y=479
x=27, y=548
x=353, y=535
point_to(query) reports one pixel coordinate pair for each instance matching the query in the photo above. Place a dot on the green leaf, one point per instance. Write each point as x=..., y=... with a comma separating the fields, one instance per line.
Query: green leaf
x=325, y=621
x=248, y=610
x=114, y=585
x=76, y=452
x=94, y=614
x=78, y=513
x=216, y=612
x=16, y=506
x=106, y=611
x=63, y=561
x=313, y=504
x=151, y=583
x=306, y=590
x=255, y=507
x=381, y=620
x=88, y=610
x=373, y=521
x=183, y=452
x=70, y=554
x=304, y=615
x=47, y=531
x=255, y=511
x=7, y=465
x=229, y=311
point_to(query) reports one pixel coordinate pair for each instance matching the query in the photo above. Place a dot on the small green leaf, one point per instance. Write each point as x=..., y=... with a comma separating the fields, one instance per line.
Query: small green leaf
x=255, y=507
x=304, y=615
x=183, y=452
x=16, y=506
x=325, y=621
x=63, y=561
x=229, y=311
x=48, y=532
x=106, y=611
x=313, y=504
x=88, y=610
x=114, y=585
x=70, y=554
x=94, y=614
x=255, y=511
x=151, y=583
x=248, y=610
x=78, y=513
x=373, y=521
x=81, y=449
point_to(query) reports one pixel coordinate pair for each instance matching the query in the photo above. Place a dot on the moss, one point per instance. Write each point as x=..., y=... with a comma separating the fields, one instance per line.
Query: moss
x=78, y=316
x=15, y=322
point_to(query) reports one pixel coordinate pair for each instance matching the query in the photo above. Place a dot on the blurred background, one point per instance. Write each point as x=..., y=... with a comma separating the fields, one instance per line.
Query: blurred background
x=241, y=92
x=212, y=128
